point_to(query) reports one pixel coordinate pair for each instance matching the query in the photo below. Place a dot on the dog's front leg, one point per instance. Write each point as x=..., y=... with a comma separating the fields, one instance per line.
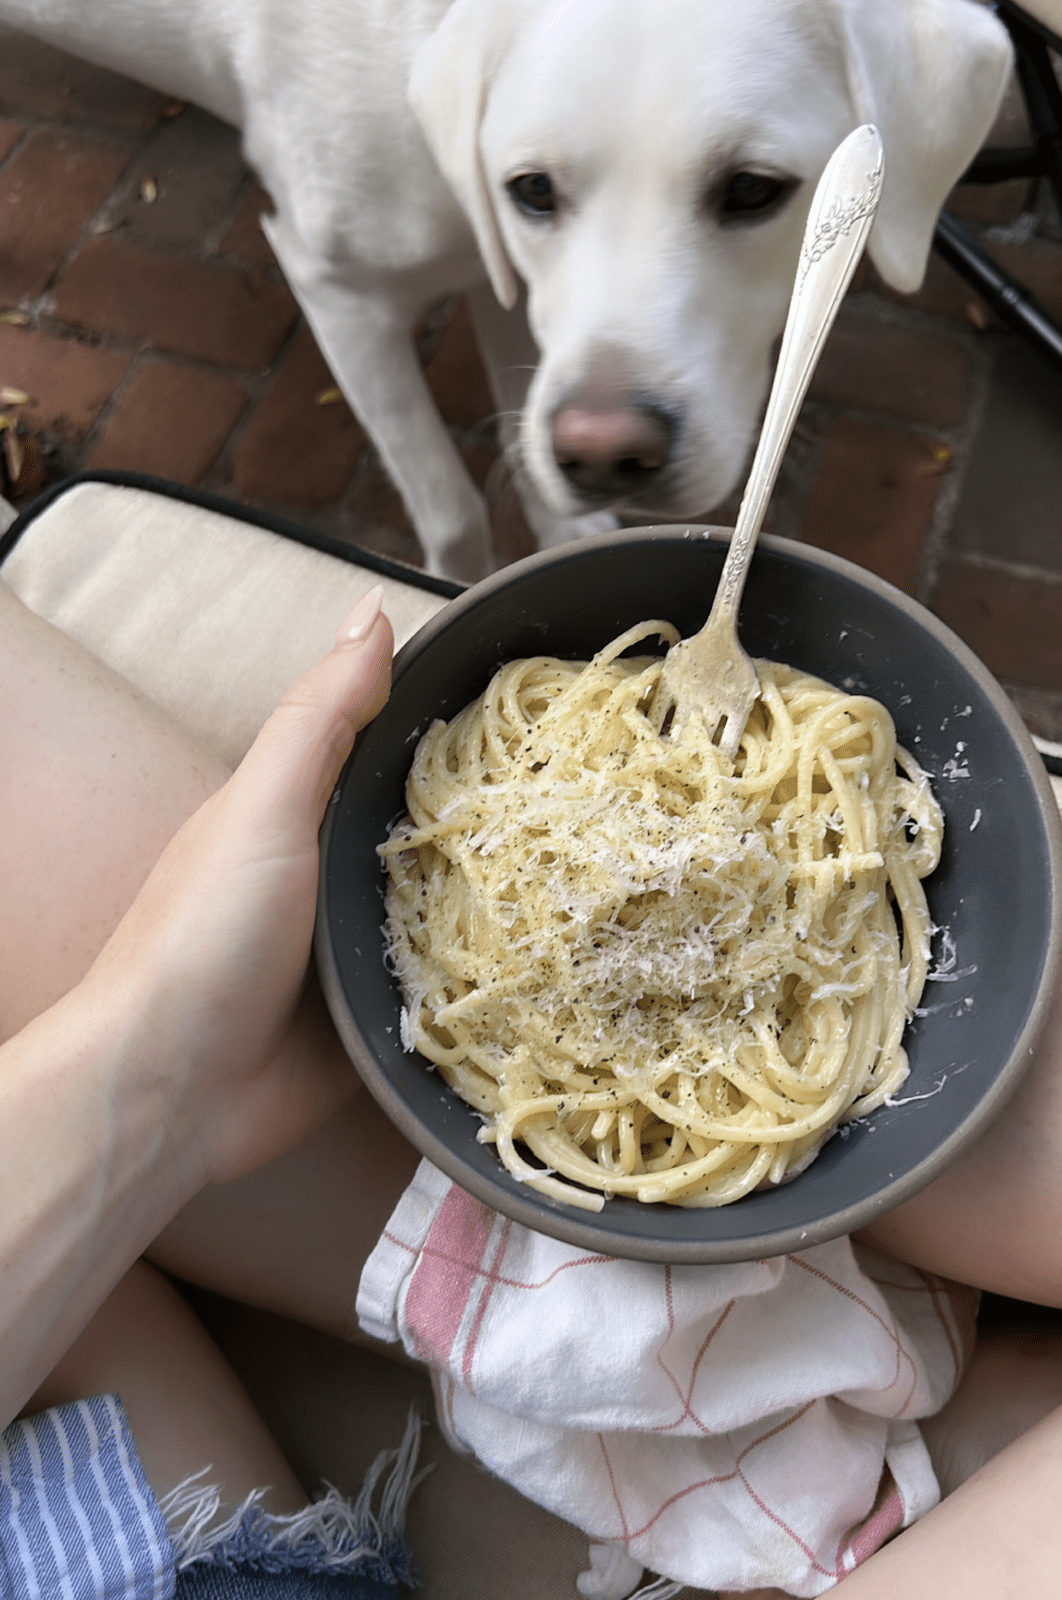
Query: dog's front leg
x=366, y=340
x=510, y=356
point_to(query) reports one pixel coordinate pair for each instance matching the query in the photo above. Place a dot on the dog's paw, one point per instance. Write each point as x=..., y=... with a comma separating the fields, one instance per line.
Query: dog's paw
x=466, y=554
x=551, y=531
x=594, y=522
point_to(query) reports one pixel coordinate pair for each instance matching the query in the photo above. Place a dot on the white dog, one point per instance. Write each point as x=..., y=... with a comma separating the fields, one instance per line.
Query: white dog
x=632, y=176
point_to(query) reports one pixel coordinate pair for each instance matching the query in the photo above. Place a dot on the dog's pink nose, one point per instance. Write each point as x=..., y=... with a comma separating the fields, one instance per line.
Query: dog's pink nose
x=610, y=452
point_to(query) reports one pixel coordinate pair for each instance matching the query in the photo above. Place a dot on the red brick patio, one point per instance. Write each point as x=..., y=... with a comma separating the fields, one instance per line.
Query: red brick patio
x=143, y=316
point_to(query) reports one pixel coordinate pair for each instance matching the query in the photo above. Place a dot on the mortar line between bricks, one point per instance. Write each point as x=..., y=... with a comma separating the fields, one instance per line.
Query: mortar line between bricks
x=90, y=233
x=222, y=470
x=72, y=456
x=1040, y=707
x=961, y=444
x=930, y=431
x=230, y=262
x=117, y=142
x=363, y=470
x=99, y=133
x=145, y=357
x=92, y=435
x=40, y=300
x=18, y=146
x=100, y=226
x=51, y=327
x=974, y=561
x=916, y=319
x=20, y=113
x=1015, y=686
x=356, y=530
x=213, y=236
x=34, y=304
x=205, y=247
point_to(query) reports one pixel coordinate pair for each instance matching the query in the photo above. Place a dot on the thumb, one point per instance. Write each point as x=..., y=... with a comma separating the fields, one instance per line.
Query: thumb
x=300, y=751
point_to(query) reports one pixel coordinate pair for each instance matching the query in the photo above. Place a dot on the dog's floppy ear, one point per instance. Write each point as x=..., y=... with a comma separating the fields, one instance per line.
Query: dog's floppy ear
x=448, y=87
x=930, y=74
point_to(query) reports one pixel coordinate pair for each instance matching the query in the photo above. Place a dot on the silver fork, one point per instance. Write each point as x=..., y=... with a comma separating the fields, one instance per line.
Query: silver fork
x=710, y=673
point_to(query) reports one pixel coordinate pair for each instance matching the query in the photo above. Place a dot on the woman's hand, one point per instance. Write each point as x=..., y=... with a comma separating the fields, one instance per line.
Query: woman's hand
x=209, y=965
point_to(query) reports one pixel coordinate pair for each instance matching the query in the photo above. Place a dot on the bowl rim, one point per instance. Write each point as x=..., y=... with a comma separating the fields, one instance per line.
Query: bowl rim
x=583, y=1228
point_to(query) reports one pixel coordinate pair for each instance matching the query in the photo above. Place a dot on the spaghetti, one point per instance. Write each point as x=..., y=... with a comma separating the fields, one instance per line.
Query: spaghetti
x=657, y=972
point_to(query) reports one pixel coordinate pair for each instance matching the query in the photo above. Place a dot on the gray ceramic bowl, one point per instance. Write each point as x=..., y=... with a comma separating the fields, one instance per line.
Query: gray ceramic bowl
x=997, y=890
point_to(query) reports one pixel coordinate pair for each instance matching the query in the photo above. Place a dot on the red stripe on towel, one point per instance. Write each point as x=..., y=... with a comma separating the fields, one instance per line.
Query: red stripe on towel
x=444, y=1278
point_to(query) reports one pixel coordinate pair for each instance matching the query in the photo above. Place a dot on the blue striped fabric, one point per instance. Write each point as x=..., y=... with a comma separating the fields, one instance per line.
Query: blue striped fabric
x=77, y=1519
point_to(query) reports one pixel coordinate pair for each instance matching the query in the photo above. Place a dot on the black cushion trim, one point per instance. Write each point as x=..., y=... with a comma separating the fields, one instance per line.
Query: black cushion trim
x=239, y=513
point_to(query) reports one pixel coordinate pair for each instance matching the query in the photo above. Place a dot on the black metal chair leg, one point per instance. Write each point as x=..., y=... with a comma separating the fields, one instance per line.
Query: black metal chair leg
x=1008, y=298
x=1040, y=91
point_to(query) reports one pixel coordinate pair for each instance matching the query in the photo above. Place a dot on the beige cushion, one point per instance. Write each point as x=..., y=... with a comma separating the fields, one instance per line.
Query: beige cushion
x=213, y=618
x=209, y=616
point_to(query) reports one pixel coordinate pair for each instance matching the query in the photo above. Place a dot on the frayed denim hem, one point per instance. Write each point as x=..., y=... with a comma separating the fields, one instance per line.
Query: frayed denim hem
x=200, y=1582
x=335, y=1537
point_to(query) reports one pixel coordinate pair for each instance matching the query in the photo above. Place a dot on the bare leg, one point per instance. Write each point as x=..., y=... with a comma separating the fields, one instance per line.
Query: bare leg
x=1013, y=1382
x=94, y=782
x=293, y=1237
x=185, y=1405
x=999, y=1535
x=995, y=1218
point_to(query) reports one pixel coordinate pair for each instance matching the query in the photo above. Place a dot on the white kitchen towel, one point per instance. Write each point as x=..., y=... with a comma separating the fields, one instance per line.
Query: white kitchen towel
x=729, y=1427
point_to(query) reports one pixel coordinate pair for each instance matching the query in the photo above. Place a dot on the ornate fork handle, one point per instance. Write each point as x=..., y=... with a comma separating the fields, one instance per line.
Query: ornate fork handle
x=857, y=169
x=842, y=218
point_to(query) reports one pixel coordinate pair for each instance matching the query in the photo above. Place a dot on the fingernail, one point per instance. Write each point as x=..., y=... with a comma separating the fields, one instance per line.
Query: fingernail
x=358, y=623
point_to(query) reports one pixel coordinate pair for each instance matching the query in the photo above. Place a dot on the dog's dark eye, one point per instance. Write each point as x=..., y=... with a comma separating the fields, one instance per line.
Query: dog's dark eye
x=533, y=193
x=750, y=194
